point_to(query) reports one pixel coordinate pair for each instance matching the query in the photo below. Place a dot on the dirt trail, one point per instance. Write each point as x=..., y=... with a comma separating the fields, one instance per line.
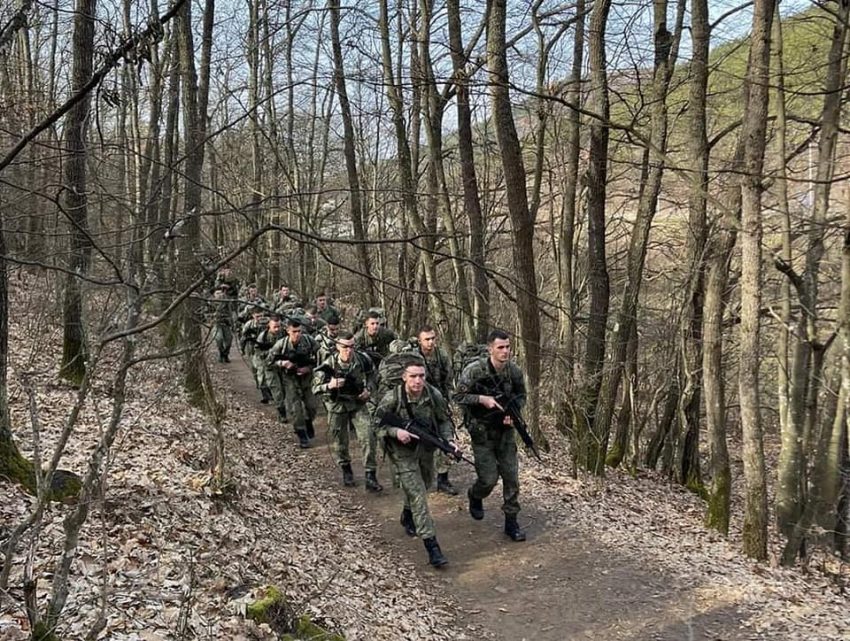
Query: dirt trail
x=559, y=585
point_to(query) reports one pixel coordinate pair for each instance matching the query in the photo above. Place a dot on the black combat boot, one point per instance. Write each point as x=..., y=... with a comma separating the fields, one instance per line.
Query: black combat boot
x=281, y=414
x=303, y=441
x=435, y=556
x=311, y=432
x=407, y=522
x=265, y=395
x=226, y=356
x=512, y=528
x=372, y=482
x=444, y=485
x=476, y=506
x=347, y=475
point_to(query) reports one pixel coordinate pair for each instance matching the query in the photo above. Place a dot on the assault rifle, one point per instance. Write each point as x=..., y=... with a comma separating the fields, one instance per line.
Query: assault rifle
x=512, y=410
x=496, y=417
x=351, y=389
x=423, y=432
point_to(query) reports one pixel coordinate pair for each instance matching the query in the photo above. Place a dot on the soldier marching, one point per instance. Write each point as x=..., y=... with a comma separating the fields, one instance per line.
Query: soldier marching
x=394, y=394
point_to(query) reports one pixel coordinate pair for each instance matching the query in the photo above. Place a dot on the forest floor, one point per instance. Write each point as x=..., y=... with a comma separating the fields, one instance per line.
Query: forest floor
x=162, y=557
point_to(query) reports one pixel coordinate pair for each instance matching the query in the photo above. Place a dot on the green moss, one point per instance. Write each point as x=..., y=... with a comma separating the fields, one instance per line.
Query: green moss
x=717, y=516
x=274, y=610
x=306, y=629
x=41, y=632
x=269, y=608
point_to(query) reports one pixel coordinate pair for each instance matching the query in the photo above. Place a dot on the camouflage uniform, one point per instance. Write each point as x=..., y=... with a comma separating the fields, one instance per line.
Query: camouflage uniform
x=326, y=343
x=493, y=443
x=223, y=329
x=379, y=343
x=414, y=462
x=300, y=402
x=328, y=313
x=269, y=376
x=248, y=344
x=438, y=372
x=345, y=410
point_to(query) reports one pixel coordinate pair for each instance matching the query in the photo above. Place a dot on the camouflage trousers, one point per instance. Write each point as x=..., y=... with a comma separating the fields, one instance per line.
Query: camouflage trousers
x=414, y=469
x=338, y=437
x=252, y=364
x=274, y=381
x=300, y=402
x=443, y=462
x=495, y=456
x=223, y=337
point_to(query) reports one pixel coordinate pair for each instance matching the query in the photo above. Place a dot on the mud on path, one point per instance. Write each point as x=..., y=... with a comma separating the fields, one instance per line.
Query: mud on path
x=559, y=585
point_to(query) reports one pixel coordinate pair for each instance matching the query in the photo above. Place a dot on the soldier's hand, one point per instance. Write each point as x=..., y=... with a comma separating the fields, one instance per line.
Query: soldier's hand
x=287, y=364
x=364, y=395
x=335, y=383
x=404, y=436
x=303, y=371
x=508, y=420
x=490, y=403
x=458, y=453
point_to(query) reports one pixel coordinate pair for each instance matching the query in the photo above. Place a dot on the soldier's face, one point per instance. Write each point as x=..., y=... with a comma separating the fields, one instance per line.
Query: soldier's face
x=321, y=303
x=252, y=292
x=427, y=341
x=500, y=350
x=294, y=333
x=284, y=291
x=345, y=349
x=414, y=379
x=274, y=325
x=372, y=325
x=333, y=330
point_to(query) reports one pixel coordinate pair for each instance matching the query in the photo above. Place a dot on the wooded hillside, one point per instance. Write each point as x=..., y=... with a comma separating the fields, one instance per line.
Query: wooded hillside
x=650, y=198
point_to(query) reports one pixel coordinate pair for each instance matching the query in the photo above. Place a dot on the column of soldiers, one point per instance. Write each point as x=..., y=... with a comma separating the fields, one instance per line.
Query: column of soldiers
x=385, y=389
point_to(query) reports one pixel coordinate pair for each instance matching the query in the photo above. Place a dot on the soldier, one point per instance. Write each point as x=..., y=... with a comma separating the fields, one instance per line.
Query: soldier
x=252, y=299
x=491, y=429
x=414, y=399
x=314, y=323
x=223, y=325
x=324, y=309
x=438, y=368
x=270, y=377
x=346, y=380
x=294, y=356
x=373, y=338
x=284, y=300
x=226, y=281
x=326, y=338
x=248, y=345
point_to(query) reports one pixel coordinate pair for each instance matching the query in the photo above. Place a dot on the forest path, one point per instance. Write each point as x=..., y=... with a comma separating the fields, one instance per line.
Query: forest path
x=559, y=585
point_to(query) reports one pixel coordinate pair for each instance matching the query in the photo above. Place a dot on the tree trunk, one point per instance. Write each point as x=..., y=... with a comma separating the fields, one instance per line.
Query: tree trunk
x=566, y=237
x=666, y=49
x=195, y=97
x=522, y=220
x=75, y=197
x=350, y=155
x=471, y=200
x=407, y=182
x=590, y=446
x=754, y=130
x=804, y=384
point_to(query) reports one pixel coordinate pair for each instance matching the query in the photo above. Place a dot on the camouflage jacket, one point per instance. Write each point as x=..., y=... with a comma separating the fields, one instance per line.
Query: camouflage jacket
x=266, y=340
x=438, y=370
x=302, y=353
x=379, y=343
x=430, y=408
x=359, y=376
x=329, y=312
x=481, y=378
x=249, y=334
